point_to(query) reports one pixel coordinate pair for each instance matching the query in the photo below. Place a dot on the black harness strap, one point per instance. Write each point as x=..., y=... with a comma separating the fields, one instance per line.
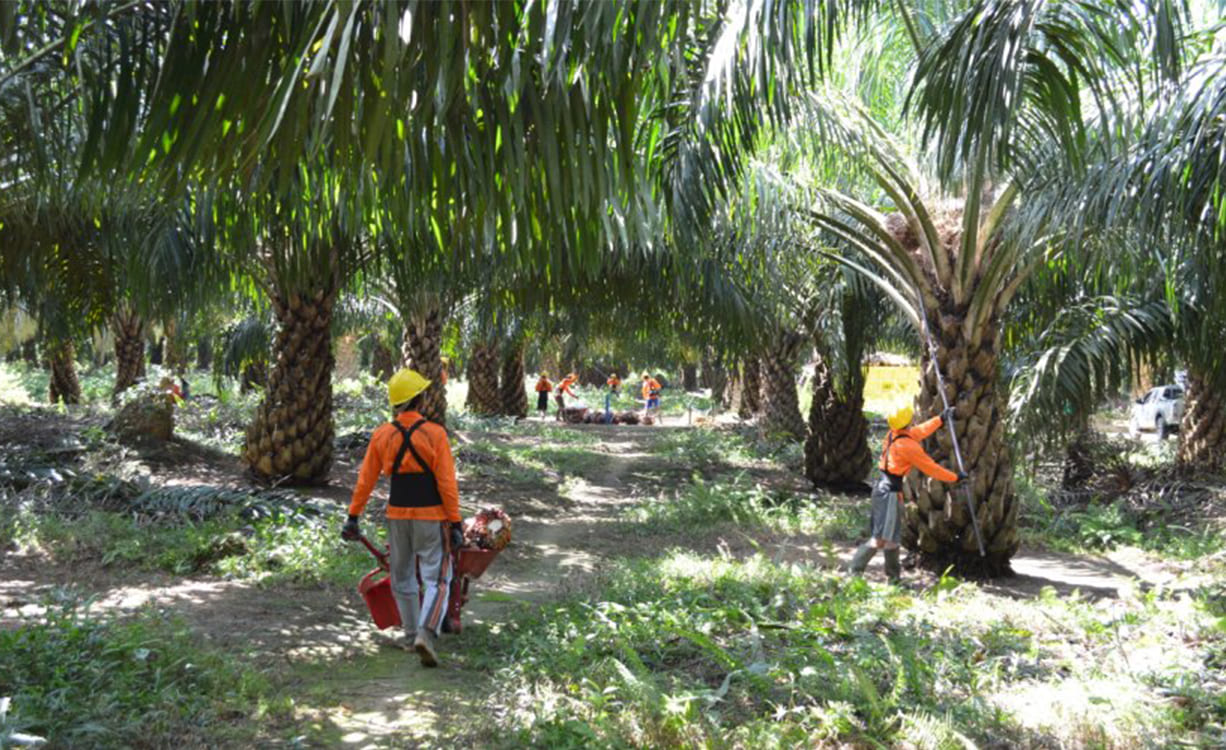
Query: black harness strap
x=408, y=446
x=413, y=489
x=895, y=479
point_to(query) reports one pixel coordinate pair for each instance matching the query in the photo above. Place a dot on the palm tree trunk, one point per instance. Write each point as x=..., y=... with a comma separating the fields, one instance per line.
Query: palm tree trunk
x=938, y=523
x=484, y=397
x=715, y=377
x=382, y=363
x=1203, y=427
x=175, y=356
x=514, y=401
x=780, y=403
x=749, y=396
x=689, y=377
x=422, y=341
x=129, y=331
x=291, y=435
x=836, y=452
x=204, y=353
x=62, y=362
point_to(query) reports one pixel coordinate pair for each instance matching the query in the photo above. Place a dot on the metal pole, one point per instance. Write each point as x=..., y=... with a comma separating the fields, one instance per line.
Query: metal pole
x=932, y=354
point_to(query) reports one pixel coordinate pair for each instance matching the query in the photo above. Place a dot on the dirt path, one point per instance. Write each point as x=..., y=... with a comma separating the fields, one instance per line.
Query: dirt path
x=348, y=681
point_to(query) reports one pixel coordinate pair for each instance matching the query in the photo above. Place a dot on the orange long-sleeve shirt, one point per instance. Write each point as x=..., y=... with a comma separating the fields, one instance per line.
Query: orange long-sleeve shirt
x=543, y=385
x=649, y=385
x=901, y=456
x=564, y=387
x=430, y=441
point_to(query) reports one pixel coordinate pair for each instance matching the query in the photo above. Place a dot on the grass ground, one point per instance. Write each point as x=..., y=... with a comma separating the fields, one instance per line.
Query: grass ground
x=666, y=587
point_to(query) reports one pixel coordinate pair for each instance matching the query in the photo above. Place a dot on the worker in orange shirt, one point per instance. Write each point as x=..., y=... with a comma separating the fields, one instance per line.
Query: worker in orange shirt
x=423, y=511
x=543, y=387
x=651, y=393
x=564, y=388
x=614, y=383
x=902, y=453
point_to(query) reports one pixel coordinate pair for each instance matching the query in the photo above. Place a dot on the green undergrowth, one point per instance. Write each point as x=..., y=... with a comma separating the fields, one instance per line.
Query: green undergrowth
x=702, y=447
x=530, y=463
x=740, y=501
x=275, y=548
x=688, y=650
x=81, y=680
x=1105, y=526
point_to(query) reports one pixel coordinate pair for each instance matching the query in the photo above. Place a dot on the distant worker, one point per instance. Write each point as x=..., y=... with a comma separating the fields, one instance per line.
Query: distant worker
x=423, y=510
x=614, y=383
x=543, y=387
x=564, y=388
x=651, y=393
x=902, y=453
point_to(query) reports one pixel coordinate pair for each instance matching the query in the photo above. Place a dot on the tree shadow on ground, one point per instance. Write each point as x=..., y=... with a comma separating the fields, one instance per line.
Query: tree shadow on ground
x=1093, y=577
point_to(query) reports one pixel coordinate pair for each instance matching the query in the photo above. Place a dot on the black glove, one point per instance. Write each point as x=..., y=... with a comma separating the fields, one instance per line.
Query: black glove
x=947, y=415
x=457, y=535
x=963, y=476
x=350, y=532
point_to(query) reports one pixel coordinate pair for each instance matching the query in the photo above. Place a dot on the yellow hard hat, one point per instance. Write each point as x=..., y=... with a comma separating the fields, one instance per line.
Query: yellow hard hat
x=404, y=385
x=900, y=418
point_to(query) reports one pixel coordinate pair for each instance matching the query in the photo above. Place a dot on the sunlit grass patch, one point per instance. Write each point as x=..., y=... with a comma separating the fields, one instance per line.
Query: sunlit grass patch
x=689, y=650
x=80, y=680
x=692, y=650
x=270, y=548
x=740, y=501
x=13, y=389
x=701, y=446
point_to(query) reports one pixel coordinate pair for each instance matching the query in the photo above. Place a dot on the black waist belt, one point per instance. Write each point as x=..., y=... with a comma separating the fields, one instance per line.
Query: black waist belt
x=895, y=480
x=416, y=490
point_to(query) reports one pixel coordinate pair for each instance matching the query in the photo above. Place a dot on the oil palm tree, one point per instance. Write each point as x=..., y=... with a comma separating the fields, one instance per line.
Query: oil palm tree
x=992, y=88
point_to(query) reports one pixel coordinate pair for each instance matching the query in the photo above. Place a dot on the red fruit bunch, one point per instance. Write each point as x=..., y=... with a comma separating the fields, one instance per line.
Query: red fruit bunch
x=488, y=529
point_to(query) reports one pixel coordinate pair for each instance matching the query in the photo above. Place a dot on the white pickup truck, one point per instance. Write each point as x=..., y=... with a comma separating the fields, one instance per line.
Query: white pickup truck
x=1160, y=410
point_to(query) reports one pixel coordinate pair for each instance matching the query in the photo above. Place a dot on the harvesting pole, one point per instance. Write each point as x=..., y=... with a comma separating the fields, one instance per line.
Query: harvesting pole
x=936, y=365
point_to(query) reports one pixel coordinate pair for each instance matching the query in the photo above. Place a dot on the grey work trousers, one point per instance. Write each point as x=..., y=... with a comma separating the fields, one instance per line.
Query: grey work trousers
x=887, y=513
x=419, y=546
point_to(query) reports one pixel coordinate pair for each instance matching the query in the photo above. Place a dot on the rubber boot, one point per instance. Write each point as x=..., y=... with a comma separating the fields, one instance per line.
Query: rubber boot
x=860, y=560
x=893, y=569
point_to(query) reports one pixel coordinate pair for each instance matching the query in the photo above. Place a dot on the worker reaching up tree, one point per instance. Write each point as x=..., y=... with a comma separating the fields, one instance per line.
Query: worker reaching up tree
x=564, y=388
x=423, y=512
x=902, y=453
x=543, y=387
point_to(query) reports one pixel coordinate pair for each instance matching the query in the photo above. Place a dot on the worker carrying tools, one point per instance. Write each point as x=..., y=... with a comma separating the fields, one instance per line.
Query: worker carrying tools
x=902, y=453
x=423, y=511
x=543, y=387
x=651, y=393
x=614, y=383
x=564, y=388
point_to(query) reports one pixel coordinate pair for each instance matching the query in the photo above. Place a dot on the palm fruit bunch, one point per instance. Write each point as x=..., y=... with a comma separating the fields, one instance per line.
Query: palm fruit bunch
x=489, y=528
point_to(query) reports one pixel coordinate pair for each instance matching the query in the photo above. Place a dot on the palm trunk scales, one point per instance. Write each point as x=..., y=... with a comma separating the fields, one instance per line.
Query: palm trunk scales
x=291, y=435
x=938, y=523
